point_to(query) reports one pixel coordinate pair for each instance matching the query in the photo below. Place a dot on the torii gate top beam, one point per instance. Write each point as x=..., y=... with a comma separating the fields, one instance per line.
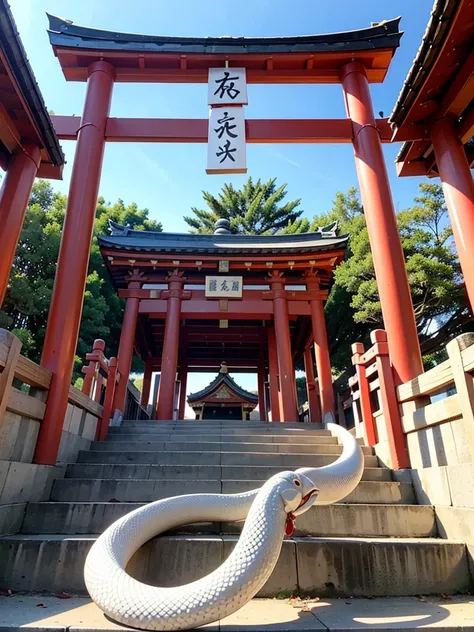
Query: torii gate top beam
x=155, y=59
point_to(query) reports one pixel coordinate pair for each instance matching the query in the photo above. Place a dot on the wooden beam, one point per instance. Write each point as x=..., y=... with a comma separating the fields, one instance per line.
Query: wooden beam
x=9, y=134
x=461, y=90
x=129, y=130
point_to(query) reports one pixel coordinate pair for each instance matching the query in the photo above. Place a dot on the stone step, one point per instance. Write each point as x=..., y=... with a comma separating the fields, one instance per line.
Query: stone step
x=400, y=521
x=148, y=490
x=302, y=429
x=190, y=423
x=216, y=446
x=78, y=614
x=137, y=454
x=193, y=472
x=326, y=566
x=219, y=438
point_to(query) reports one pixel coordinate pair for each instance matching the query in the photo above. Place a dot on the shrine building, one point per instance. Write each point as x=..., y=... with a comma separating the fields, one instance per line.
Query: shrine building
x=253, y=301
x=223, y=399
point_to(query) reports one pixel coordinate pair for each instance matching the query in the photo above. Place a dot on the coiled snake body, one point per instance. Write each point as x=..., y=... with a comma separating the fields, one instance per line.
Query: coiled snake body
x=266, y=511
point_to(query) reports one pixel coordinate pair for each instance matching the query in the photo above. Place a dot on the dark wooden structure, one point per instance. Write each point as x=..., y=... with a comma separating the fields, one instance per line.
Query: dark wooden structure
x=224, y=399
x=176, y=328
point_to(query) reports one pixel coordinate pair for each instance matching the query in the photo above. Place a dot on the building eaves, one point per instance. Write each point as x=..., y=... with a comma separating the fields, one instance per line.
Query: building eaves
x=17, y=59
x=439, y=24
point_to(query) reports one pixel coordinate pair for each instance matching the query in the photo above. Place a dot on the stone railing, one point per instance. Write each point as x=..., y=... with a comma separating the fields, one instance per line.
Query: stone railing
x=426, y=424
x=24, y=387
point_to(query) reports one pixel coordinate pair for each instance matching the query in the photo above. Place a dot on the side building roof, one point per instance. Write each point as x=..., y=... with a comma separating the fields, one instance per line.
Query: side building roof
x=440, y=82
x=23, y=102
x=223, y=379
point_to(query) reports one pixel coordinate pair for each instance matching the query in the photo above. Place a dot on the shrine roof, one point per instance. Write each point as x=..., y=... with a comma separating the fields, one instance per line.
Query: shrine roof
x=440, y=82
x=223, y=379
x=25, y=118
x=75, y=46
x=124, y=238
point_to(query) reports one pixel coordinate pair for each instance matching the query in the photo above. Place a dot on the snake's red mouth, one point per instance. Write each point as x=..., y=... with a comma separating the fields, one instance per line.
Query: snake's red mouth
x=306, y=498
x=291, y=517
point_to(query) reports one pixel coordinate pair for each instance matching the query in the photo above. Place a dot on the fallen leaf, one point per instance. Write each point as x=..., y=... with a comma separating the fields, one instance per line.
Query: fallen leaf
x=63, y=595
x=40, y=605
x=114, y=500
x=6, y=592
x=446, y=597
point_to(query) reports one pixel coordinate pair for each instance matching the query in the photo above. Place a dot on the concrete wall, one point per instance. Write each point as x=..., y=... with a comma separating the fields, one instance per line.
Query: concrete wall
x=22, y=481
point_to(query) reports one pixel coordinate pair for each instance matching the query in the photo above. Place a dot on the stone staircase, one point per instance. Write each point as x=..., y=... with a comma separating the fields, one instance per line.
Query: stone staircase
x=378, y=542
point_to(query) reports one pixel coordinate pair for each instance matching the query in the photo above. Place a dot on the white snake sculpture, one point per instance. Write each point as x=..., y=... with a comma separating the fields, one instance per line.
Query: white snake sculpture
x=268, y=512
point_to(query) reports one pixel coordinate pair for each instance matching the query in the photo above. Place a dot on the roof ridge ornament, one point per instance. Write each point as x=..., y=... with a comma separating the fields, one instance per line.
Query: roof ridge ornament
x=118, y=229
x=222, y=227
x=330, y=230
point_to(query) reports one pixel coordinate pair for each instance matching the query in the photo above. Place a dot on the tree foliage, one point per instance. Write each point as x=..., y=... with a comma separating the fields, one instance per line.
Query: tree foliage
x=301, y=391
x=258, y=209
x=26, y=305
x=353, y=308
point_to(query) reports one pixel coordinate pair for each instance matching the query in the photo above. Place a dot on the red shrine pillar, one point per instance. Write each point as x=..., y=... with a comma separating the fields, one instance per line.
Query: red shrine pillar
x=389, y=263
x=14, y=196
x=321, y=347
x=147, y=375
x=262, y=399
x=313, y=401
x=169, y=360
x=288, y=408
x=273, y=374
x=66, y=305
x=183, y=379
x=127, y=341
x=458, y=188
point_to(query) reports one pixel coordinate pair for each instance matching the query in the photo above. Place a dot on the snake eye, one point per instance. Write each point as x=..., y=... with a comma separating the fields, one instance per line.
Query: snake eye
x=297, y=482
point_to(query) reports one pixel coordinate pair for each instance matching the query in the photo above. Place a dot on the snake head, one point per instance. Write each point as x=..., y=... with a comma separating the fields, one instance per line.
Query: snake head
x=298, y=493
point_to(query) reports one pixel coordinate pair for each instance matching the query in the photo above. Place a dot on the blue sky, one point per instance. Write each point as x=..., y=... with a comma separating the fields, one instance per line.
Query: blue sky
x=168, y=179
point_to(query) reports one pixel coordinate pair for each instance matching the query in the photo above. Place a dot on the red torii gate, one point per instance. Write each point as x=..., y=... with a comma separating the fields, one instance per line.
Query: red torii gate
x=353, y=59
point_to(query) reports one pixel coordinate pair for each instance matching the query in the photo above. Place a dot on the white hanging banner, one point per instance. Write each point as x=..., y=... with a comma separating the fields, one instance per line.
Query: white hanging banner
x=226, y=151
x=227, y=86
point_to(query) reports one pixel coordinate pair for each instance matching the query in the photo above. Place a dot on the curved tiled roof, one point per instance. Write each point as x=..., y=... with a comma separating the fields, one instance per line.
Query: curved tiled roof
x=124, y=238
x=223, y=378
x=382, y=35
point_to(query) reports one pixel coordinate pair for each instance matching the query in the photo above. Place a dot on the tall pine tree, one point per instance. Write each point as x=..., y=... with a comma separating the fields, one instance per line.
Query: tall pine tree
x=257, y=209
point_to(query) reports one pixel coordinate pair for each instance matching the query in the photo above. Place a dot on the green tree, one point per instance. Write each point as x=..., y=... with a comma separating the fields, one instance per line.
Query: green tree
x=353, y=307
x=258, y=208
x=301, y=391
x=26, y=305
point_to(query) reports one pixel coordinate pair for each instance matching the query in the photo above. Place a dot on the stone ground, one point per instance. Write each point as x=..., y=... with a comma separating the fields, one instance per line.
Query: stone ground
x=51, y=614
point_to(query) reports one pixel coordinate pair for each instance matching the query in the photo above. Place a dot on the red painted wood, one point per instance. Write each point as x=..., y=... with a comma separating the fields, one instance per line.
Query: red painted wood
x=147, y=375
x=261, y=379
x=169, y=360
x=389, y=263
x=288, y=404
x=288, y=68
x=66, y=305
x=323, y=361
x=183, y=378
x=125, y=352
x=172, y=130
x=458, y=188
x=389, y=404
x=103, y=425
x=14, y=196
x=364, y=393
x=273, y=375
x=242, y=310
x=312, y=387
